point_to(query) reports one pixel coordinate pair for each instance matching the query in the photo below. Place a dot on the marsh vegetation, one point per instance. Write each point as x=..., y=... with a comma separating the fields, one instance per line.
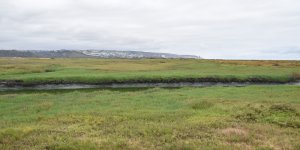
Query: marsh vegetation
x=252, y=117
x=32, y=71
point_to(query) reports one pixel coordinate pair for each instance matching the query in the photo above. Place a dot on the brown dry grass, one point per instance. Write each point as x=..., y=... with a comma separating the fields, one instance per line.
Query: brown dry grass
x=234, y=131
x=276, y=63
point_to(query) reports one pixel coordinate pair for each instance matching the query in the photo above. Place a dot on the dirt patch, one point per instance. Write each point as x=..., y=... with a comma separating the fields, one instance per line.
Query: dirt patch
x=234, y=131
x=237, y=137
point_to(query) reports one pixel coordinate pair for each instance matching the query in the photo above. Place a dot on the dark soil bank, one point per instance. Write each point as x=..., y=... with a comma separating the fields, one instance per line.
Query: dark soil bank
x=257, y=80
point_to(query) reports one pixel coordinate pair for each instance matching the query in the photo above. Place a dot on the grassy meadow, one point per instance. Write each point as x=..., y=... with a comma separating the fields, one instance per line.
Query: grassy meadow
x=253, y=117
x=38, y=71
x=260, y=117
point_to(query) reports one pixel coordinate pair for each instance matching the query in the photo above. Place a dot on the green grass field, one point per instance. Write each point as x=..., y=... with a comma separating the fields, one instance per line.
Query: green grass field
x=254, y=117
x=39, y=71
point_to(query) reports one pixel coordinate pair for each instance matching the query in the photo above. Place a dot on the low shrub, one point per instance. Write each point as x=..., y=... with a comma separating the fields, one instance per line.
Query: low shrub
x=295, y=76
x=201, y=105
x=279, y=114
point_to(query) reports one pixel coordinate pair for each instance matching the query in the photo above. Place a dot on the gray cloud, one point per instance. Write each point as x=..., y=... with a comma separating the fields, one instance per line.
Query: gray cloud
x=232, y=29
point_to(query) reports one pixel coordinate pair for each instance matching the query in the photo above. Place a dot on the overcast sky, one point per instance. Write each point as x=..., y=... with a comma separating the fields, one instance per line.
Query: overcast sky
x=230, y=29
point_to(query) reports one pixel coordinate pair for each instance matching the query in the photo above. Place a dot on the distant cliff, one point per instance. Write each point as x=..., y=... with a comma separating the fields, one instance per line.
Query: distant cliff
x=89, y=54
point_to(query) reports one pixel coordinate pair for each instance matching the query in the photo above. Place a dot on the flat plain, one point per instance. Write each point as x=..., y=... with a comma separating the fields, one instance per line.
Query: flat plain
x=40, y=71
x=217, y=117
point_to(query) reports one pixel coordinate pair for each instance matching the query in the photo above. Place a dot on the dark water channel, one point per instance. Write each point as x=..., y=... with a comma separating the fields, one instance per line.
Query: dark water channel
x=134, y=85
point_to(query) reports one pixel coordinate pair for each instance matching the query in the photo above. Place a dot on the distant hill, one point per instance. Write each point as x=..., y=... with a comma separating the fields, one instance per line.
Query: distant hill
x=89, y=54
